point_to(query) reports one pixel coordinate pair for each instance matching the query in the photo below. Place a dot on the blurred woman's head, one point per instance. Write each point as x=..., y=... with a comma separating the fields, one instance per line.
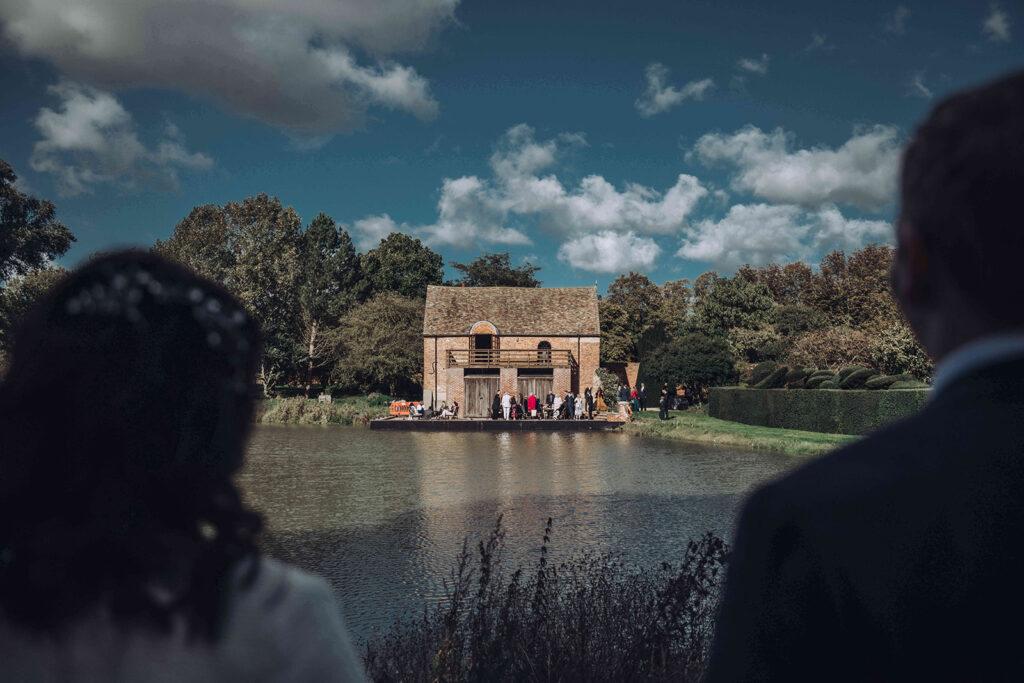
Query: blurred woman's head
x=123, y=417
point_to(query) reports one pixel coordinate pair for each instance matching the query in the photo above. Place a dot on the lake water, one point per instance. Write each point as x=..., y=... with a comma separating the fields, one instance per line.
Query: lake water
x=382, y=515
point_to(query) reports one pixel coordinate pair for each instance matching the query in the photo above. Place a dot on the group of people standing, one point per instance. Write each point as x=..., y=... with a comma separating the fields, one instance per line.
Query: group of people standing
x=568, y=407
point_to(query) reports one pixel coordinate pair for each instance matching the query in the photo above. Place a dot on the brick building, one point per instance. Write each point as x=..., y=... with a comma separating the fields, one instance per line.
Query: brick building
x=478, y=341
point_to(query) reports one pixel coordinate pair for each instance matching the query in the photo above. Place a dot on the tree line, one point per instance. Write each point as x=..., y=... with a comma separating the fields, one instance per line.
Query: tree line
x=332, y=316
x=713, y=330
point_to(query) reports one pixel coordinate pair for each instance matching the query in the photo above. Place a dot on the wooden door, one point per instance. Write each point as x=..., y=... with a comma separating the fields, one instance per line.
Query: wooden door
x=538, y=386
x=480, y=393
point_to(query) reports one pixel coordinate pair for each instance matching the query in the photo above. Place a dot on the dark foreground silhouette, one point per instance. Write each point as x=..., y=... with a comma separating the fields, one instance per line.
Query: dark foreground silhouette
x=589, y=619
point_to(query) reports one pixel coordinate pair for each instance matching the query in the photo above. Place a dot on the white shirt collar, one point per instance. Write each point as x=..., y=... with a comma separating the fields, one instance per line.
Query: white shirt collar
x=976, y=355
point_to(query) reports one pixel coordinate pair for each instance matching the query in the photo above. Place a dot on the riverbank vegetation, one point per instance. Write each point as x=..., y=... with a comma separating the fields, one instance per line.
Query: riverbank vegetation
x=695, y=425
x=590, y=619
x=350, y=410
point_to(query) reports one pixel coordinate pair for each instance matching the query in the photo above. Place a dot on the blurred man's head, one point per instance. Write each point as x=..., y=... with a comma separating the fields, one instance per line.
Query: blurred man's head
x=960, y=233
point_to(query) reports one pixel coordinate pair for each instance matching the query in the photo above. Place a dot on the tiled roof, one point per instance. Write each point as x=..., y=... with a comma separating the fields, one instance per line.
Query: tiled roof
x=527, y=311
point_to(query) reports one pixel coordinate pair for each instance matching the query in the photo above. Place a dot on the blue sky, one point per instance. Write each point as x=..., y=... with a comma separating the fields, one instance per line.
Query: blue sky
x=589, y=137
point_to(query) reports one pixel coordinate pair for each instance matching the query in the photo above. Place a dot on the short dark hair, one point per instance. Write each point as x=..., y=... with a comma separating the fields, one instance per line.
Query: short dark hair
x=962, y=185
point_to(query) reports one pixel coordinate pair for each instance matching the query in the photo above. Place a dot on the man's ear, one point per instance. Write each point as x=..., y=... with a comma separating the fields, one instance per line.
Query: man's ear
x=912, y=268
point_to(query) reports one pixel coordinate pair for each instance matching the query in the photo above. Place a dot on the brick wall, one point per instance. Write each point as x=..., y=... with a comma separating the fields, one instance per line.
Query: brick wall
x=454, y=389
x=586, y=351
x=509, y=381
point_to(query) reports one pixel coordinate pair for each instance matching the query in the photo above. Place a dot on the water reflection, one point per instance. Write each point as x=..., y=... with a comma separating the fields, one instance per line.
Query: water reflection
x=381, y=515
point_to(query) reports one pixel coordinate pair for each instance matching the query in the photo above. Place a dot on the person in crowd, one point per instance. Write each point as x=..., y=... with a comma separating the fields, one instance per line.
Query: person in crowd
x=643, y=396
x=897, y=557
x=506, y=405
x=549, y=400
x=531, y=404
x=623, y=393
x=496, y=407
x=663, y=407
x=455, y=408
x=588, y=399
x=570, y=405
x=634, y=399
x=126, y=550
x=514, y=409
x=556, y=408
x=599, y=402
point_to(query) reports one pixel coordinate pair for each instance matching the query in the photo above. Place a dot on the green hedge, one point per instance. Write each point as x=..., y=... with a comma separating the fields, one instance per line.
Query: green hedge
x=847, y=411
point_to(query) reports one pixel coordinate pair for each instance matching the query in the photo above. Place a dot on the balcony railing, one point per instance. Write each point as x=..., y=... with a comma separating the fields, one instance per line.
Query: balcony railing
x=510, y=358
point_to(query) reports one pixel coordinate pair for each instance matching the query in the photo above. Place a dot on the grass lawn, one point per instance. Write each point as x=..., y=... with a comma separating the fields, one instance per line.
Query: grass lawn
x=695, y=425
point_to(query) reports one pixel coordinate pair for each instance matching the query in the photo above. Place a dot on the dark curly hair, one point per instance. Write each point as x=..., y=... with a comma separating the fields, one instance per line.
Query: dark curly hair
x=123, y=418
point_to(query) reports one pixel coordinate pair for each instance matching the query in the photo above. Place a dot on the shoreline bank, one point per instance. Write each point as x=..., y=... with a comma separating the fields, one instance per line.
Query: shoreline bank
x=682, y=425
x=691, y=425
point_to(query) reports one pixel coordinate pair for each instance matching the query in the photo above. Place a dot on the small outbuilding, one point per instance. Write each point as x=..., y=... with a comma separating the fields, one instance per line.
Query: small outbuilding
x=479, y=341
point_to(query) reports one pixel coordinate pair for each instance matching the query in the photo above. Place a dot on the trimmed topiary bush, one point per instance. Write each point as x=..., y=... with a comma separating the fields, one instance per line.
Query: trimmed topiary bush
x=761, y=371
x=829, y=384
x=844, y=372
x=881, y=381
x=776, y=380
x=799, y=384
x=815, y=381
x=908, y=384
x=836, y=412
x=795, y=375
x=857, y=378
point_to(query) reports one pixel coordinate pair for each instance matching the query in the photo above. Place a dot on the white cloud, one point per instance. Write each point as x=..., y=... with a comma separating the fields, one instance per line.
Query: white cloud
x=996, y=26
x=754, y=66
x=819, y=42
x=660, y=97
x=919, y=89
x=763, y=233
x=91, y=139
x=609, y=252
x=292, y=66
x=897, y=23
x=862, y=172
x=369, y=231
x=475, y=210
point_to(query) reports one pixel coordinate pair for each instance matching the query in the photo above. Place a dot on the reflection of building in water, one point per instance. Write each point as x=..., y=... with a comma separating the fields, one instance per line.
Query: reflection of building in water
x=479, y=341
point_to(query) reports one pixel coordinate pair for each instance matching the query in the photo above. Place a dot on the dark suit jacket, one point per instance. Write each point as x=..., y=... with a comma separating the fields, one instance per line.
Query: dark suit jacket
x=898, y=557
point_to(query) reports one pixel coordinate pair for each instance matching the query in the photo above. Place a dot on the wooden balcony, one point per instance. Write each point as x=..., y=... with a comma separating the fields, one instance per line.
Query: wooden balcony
x=510, y=358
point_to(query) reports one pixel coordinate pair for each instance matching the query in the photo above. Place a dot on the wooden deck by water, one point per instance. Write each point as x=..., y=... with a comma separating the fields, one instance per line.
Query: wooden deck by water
x=485, y=425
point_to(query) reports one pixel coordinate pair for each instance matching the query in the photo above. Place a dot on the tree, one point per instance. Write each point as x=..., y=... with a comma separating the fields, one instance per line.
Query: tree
x=694, y=360
x=495, y=270
x=401, y=264
x=642, y=304
x=855, y=291
x=831, y=348
x=792, y=320
x=202, y=241
x=733, y=302
x=676, y=296
x=328, y=278
x=30, y=235
x=617, y=342
x=702, y=285
x=251, y=247
x=788, y=284
x=379, y=344
x=896, y=351
x=21, y=294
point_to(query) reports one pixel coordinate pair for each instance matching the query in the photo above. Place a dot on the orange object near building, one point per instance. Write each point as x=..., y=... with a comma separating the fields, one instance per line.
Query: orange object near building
x=402, y=408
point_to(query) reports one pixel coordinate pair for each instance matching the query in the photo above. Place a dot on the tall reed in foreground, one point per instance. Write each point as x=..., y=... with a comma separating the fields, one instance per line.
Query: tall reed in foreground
x=592, y=618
